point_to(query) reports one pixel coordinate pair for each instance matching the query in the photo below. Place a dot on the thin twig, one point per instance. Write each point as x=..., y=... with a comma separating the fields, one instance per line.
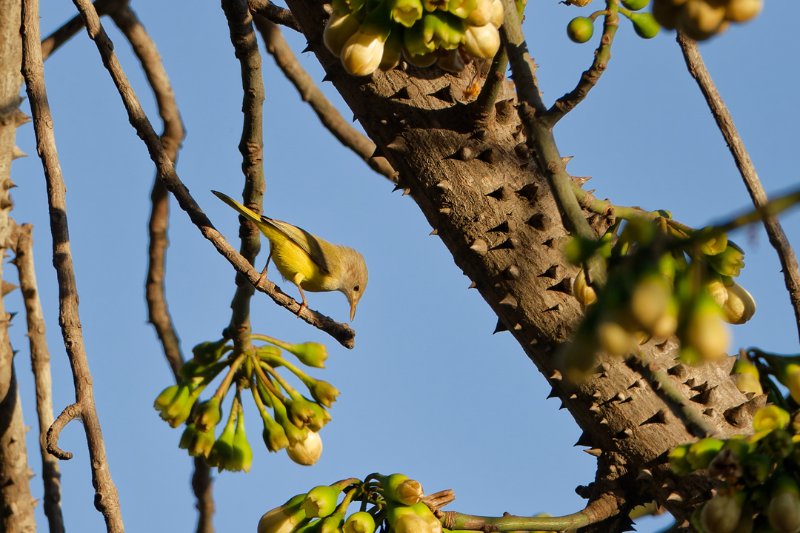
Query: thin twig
x=106, y=497
x=251, y=146
x=326, y=112
x=166, y=172
x=273, y=13
x=53, y=42
x=590, y=77
x=540, y=136
x=40, y=364
x=158, y=312
x=596, y=511
x=777, y=237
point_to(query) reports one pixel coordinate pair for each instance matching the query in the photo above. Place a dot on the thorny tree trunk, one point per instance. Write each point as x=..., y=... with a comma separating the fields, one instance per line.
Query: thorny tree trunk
x=16, y=502
x=493, y=209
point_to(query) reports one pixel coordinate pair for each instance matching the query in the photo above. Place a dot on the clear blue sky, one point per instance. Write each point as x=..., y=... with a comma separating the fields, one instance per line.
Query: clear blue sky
x=428, y=391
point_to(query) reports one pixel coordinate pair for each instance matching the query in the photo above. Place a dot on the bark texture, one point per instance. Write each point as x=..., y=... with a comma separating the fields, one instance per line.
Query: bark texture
x=483, y=194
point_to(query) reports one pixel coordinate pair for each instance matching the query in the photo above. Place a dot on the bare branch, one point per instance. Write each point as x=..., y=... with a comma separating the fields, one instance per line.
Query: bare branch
x=53, y=42
x=777, y=237
x=326, y=112
x=484, y=104
x=166, y=172
x=106, y=497
x=70, y=413
x=273, y=13
x=590, y=77
x=40, y=363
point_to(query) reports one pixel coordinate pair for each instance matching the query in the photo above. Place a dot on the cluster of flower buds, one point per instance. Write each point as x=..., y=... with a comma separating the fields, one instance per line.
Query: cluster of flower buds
x=371, y=34
x=664, y=279
x=701, y=19
x=581, y=29
x=393, y=501
x=290, y=420
x=757, y=371
x=758, y=476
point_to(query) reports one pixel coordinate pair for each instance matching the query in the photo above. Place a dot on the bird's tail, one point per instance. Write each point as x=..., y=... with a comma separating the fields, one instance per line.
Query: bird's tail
x=244, y=211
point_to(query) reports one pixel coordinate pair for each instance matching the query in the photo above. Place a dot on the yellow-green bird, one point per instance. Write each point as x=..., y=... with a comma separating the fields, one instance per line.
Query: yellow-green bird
x=308, y=261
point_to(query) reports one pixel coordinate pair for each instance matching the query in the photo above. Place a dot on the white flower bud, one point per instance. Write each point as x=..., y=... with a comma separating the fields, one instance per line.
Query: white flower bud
x=482, y=41
x=362, y=53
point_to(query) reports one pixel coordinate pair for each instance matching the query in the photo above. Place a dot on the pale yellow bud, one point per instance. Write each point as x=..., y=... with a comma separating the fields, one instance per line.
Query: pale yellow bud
x=308, y=451
x=743, y=10
x=362, y=53
x=707, y=333
x=497, y=13
x=649, y=301
x=701, y=20
x=716, y=289
x=615, y=339
x=582, y=291
x=482, y=14
x=482, y=41
x=739, y=306
x=338, y=30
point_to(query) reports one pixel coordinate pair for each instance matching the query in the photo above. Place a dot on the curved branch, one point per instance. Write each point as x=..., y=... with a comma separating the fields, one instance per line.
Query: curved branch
x=166, y=172
x=273, y=13
x=70, y=413
x=724, y=120
x=326, y=112
x=106, y=496
x=67, y=31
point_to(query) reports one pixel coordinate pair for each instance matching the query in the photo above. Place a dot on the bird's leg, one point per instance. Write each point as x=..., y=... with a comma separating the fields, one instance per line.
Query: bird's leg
x=263, y=275
x=298, y=278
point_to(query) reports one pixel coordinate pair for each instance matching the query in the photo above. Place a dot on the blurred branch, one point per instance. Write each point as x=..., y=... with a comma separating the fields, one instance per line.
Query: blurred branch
x=166, y=172
x=777, y=237
x=106, y=497
x=484, y=104
x=326, y=112
x=155, y=291
x=273, y=13
x=590, y=77
x=53, y=42
x=40, y=363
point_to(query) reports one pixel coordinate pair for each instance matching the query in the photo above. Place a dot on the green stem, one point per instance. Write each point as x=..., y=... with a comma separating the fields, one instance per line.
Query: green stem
x=226, y=382
x=291, y=391
x=455, y=520
x=272, y=340
x=307, y=380
x=266, y=382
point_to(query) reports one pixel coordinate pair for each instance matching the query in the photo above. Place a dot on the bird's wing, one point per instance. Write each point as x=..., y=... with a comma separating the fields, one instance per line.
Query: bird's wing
x=310, y=244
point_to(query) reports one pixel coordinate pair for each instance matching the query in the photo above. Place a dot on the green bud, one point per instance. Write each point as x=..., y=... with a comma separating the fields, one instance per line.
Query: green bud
x=300, y=411
x=209, y=352
x=705, y=330
x=461, y=8
x=645, y=25
x=283, y=519
x=188, y=435
x=166, y=397
x=635, y=5
x=678, y=461
x=321, y=501
x=418, y=39
x=179, y=409
x=208, y=414
x=306, y=452
x=274, y=435
x=399, y=488
x=360, y=522
x=406, y=12
x=294, y=433
x=319, y=417
x=332, y=524
x=424, y=512
x=242, y=456
x=721, y=513
x=769, y=418
x=757, y=468
x=313, y=354
x=580, y=29
x=650, y=299
x=784, y=506
x=746, y=377
x=222, y=450
x=202, y=443
x=702, y=452
x=403, y=519
x=728, y=263
x=324, y=392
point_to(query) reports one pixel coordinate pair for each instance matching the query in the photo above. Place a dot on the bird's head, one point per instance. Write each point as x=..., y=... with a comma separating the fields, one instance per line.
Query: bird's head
x=354, y=278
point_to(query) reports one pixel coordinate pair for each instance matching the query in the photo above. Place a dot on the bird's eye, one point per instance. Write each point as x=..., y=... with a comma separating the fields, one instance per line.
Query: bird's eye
x=356, y=288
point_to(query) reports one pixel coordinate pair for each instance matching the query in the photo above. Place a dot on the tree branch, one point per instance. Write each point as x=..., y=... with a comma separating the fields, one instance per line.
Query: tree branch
x=66, y=31
x=40, y=363
x=166, y=172
x=155, y=292
x=325, y=111
x=273, y=13
x=106, y=497
x=724, y=120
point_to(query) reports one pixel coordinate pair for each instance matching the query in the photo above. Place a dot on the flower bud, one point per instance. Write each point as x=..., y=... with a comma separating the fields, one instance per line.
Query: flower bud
x=705, y=330
x=187, y=436
x=321, y=501
x=209, y=352
x=497, y=13
x=635, y=5
x=179, y=408
x=399, y=488
x=700, y=20
x=306, y=452
x=403, y=519
x=645, y=25
x=242, y=456
x=666, y=13
x=222, y=450
x=614, y=339
x=274, y=435
x=731, y=261
x=338, y=30
x=202, y=443
x=716, y=289
x=482, y=41
x=482, y=14
x=721, y=514
x=283, y=519
x=406, y=12
x=667, y=323
x=739, y=306
x=783, y=511
x=360, y=522
x=324, y=392
x=746, y=376
x=166, y=397
x=702, y=452
x=743, y=10
x=650, y=299
x=461, y=8
x=361, y=56
x=714, y=244
x=312, y=354
x=583, y=292
x=769, y=418
x=424, y=512
x=678, y=461
x=208, y=414
x=580, y=29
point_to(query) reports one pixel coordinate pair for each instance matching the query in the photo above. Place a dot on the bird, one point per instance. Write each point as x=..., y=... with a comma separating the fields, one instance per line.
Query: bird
x=308, y=261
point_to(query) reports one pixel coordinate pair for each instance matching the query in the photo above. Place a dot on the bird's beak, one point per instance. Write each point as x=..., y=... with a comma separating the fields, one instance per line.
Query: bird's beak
x=352, y=310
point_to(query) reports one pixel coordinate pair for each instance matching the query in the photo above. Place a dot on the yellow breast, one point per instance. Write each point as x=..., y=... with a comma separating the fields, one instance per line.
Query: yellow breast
x=292, y=260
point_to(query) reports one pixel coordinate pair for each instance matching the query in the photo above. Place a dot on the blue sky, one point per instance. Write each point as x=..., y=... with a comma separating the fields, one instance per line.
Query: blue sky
x=428, y=391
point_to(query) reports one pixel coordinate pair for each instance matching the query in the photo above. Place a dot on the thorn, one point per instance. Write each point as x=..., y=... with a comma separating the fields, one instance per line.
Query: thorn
x=511, y=272
x=562, y=406
x=465, y=153
x=706, y=397
x=660, y=417
x=509, y=300
x=499, y=327
x=564, y=286
x=573, y=396
x=473, y=285
x=433, y=232
x=612, y=469
x=508, y=244
x=710, y=412
x=501, y=227
x=595, y=408
x=644, y=475
x=489, y=155
x=398, y=144
x=445, y=210
x=553, y=308
x=406, y=191
x=402, y=94
x=538, y=221
x=499, y=194
x=583, y=440
x=553, y=393
x=619, y=397
x=674, y=497
x=8, y=184
x=444, y=94
x=550, y=243
x=690, y=382
x=555, y=376
x=551, y=272
x=307, y=48
x=639, y=383
x=566, y=159
x=581, y=180
x=529, y=191
x=597, y=395
x=596, y=452
x=397, y=187
x=479, y=246
x=678, y=371
x=603, y=421
x=444, y=185
x=17, y=153
x=327, y=77
x=517, y=327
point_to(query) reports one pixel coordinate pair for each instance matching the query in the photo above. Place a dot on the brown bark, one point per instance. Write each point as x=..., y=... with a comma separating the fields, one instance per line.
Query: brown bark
x=493, y=209
x=16, y=502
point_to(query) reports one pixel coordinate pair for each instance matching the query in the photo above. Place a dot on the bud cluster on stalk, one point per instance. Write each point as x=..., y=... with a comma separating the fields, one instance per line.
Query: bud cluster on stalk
x=701, y=19
x=757, y=476
x=664, y=279
x=581, y=29
x=370, y=34
x=392, y=502
x=291, y=421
